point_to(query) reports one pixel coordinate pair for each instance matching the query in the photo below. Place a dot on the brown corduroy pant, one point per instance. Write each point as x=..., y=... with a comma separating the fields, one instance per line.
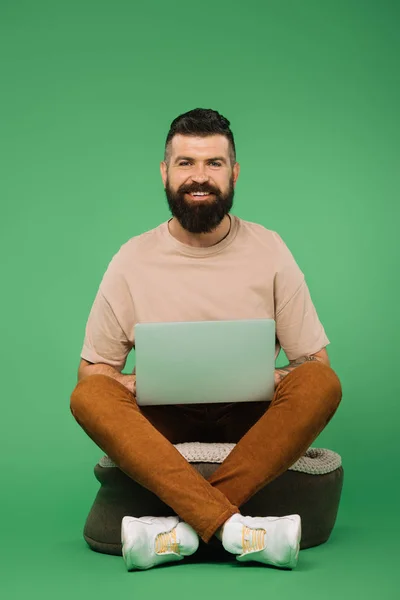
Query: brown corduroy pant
x=269, y=437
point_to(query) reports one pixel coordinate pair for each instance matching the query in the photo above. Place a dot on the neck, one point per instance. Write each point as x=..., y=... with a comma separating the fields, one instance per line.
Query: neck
x=200, y=240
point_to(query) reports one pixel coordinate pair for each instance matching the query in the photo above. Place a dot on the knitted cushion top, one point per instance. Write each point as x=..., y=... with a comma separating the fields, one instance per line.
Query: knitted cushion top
x=315, y=461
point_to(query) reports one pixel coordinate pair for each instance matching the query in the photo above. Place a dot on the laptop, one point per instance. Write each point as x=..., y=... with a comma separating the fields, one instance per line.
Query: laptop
x=205, y=361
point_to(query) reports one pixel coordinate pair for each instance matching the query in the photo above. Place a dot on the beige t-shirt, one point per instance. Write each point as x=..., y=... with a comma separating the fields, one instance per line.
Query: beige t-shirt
x=251, y=274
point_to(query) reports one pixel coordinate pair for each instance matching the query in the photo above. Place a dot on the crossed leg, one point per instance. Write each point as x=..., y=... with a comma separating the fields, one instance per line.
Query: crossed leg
x=303, y=404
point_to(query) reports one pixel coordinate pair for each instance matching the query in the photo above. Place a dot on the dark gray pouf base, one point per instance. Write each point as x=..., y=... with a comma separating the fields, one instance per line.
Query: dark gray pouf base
x=314, y=497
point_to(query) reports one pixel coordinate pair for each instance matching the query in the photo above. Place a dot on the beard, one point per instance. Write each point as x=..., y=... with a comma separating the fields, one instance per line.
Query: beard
x=201, y=216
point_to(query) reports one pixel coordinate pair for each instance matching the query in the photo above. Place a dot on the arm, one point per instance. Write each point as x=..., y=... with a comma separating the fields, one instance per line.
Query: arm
x=87, y=368
x=109, y=330
x=281, y=373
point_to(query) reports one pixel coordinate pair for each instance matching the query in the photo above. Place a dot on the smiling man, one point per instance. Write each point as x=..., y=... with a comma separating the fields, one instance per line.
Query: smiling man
x=199, y=176
x=205, y=264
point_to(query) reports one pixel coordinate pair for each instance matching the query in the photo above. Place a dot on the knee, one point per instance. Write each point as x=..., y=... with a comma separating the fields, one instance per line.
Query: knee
x=329, y=386
x=84, y=395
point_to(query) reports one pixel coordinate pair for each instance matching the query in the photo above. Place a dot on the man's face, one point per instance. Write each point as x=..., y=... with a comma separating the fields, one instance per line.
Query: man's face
x=199, y=181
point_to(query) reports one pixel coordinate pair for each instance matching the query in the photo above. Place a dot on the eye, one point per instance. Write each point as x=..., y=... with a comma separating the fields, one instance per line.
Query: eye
x=215, y=163
x=183, y=163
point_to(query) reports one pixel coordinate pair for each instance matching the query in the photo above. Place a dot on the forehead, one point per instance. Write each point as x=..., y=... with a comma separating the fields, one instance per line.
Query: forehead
x=199, y=147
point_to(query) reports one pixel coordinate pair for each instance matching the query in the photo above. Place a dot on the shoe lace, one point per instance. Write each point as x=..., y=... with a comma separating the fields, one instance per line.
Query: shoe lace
x=167, y=542
x=253, y=539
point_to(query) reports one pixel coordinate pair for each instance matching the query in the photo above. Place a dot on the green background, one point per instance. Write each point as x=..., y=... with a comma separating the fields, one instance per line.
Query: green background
x=88, y=90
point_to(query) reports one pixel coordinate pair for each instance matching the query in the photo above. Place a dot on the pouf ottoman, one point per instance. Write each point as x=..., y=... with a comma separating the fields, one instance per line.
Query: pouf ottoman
x=311, y=488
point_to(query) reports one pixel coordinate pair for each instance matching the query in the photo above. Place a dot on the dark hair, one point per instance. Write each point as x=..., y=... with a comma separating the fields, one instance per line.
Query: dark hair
x=201, y=122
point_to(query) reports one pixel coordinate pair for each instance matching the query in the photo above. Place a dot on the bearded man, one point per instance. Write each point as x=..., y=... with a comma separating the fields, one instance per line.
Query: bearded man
x=205, y=264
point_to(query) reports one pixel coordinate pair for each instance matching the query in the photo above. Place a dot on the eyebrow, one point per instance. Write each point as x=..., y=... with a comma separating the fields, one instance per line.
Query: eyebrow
x=220, y=158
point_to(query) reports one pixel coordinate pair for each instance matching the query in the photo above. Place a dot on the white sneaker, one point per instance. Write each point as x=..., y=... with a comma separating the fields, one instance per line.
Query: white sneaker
x=269, y=540
x=151, y=541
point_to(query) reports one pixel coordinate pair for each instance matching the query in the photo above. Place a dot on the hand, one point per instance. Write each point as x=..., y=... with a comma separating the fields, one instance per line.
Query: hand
x=277, y=379
x=279, y=376
x=129, y=381
x=281, y=372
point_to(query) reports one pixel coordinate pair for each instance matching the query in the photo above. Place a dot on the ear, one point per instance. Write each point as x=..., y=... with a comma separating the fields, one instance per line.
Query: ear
x=163, y=171
x=236, y=171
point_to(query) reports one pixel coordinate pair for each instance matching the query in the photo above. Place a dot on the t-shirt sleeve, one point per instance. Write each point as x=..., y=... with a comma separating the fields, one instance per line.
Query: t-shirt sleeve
x=298, y=327
x=109, y=328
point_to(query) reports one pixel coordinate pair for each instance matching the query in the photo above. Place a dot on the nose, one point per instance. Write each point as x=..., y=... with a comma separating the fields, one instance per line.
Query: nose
x=199, y=175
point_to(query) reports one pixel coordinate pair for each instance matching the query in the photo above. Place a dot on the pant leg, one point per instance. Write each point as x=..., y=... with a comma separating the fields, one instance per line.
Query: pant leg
x=303, y=404
x=110, y=416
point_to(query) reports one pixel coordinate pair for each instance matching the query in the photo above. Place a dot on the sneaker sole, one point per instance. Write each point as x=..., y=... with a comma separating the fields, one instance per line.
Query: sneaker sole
x=294, y=557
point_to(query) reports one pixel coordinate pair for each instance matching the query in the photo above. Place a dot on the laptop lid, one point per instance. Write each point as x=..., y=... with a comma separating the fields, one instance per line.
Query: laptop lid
x=205, y=361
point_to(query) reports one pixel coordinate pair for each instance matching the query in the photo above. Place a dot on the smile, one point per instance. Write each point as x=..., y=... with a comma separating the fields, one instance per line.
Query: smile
x=199, y=195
